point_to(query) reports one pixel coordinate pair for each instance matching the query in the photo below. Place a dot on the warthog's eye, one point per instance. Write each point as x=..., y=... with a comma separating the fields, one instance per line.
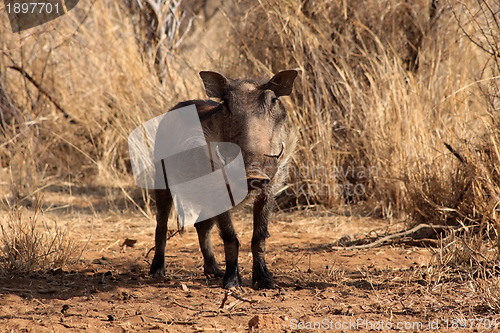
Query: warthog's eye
x=274, y=102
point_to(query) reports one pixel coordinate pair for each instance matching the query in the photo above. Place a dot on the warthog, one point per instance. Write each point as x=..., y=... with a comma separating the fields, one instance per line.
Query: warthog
x=251, y=115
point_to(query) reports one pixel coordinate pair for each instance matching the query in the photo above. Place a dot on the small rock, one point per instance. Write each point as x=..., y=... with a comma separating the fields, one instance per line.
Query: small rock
x=111, y=318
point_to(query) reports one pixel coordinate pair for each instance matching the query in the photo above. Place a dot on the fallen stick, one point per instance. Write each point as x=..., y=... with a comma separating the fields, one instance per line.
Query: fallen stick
x=394, y=237
x=175, y=322
x=241, y=298
x=193, y=309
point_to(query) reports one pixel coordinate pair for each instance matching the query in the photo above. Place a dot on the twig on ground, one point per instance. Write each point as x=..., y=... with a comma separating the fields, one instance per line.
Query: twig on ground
x=226, y=294
x=193, y=309
x=392, y=238
x=230, y=293
x=175, y=322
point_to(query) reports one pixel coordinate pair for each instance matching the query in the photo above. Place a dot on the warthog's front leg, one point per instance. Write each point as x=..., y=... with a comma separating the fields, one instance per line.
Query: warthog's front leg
x=232, y=276
x=261, y=277
x=204, y=230
x=163, y=205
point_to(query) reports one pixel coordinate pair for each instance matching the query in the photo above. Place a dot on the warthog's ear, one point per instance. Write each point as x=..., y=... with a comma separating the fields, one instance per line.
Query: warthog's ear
x=282, y=83
x=215, y=84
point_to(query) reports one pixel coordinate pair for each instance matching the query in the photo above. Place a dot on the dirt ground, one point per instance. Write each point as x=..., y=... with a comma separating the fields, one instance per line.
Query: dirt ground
x=108, y=289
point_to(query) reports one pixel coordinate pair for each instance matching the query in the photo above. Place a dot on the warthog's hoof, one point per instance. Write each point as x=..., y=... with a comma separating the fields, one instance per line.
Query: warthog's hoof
x=157, y=272
x=211, y=269
x=234, y=280
x=214, y=272
x=264, y=284
x=157, y=267
x=262, y=278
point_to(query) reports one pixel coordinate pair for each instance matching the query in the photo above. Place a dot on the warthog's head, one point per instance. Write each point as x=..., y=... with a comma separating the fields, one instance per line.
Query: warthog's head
x=253, y=117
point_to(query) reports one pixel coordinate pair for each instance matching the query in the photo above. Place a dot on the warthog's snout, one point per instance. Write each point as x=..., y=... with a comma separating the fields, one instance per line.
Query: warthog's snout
x=256, y=180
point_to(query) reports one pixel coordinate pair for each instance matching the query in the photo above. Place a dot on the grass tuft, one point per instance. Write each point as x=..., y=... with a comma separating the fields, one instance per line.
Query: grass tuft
x=33, y=244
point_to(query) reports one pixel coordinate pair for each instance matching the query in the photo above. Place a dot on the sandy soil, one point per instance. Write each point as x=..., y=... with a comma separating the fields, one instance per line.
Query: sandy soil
x=109, y=289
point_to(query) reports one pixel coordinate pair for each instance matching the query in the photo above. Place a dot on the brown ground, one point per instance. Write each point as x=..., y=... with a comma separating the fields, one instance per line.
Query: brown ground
x=109, y=288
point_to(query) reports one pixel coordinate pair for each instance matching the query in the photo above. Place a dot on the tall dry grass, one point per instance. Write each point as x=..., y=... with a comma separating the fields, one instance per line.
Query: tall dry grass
x=396, y=105
x=385, y=85
x=74, y=89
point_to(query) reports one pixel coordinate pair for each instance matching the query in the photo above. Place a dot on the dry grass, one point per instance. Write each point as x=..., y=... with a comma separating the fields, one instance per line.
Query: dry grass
x=105, y=85
x=396, y=105
x=384, y=86
x=378, y=98
x=33, y=244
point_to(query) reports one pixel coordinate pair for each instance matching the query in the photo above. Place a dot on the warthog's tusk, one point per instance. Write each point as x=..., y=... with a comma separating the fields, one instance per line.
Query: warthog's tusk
x=219, y=155
x=282, y=150
x=280, y=155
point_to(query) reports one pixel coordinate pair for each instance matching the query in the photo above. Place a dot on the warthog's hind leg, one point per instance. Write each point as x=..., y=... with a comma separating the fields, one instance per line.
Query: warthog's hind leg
x=204, y=229
x=164, y=205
